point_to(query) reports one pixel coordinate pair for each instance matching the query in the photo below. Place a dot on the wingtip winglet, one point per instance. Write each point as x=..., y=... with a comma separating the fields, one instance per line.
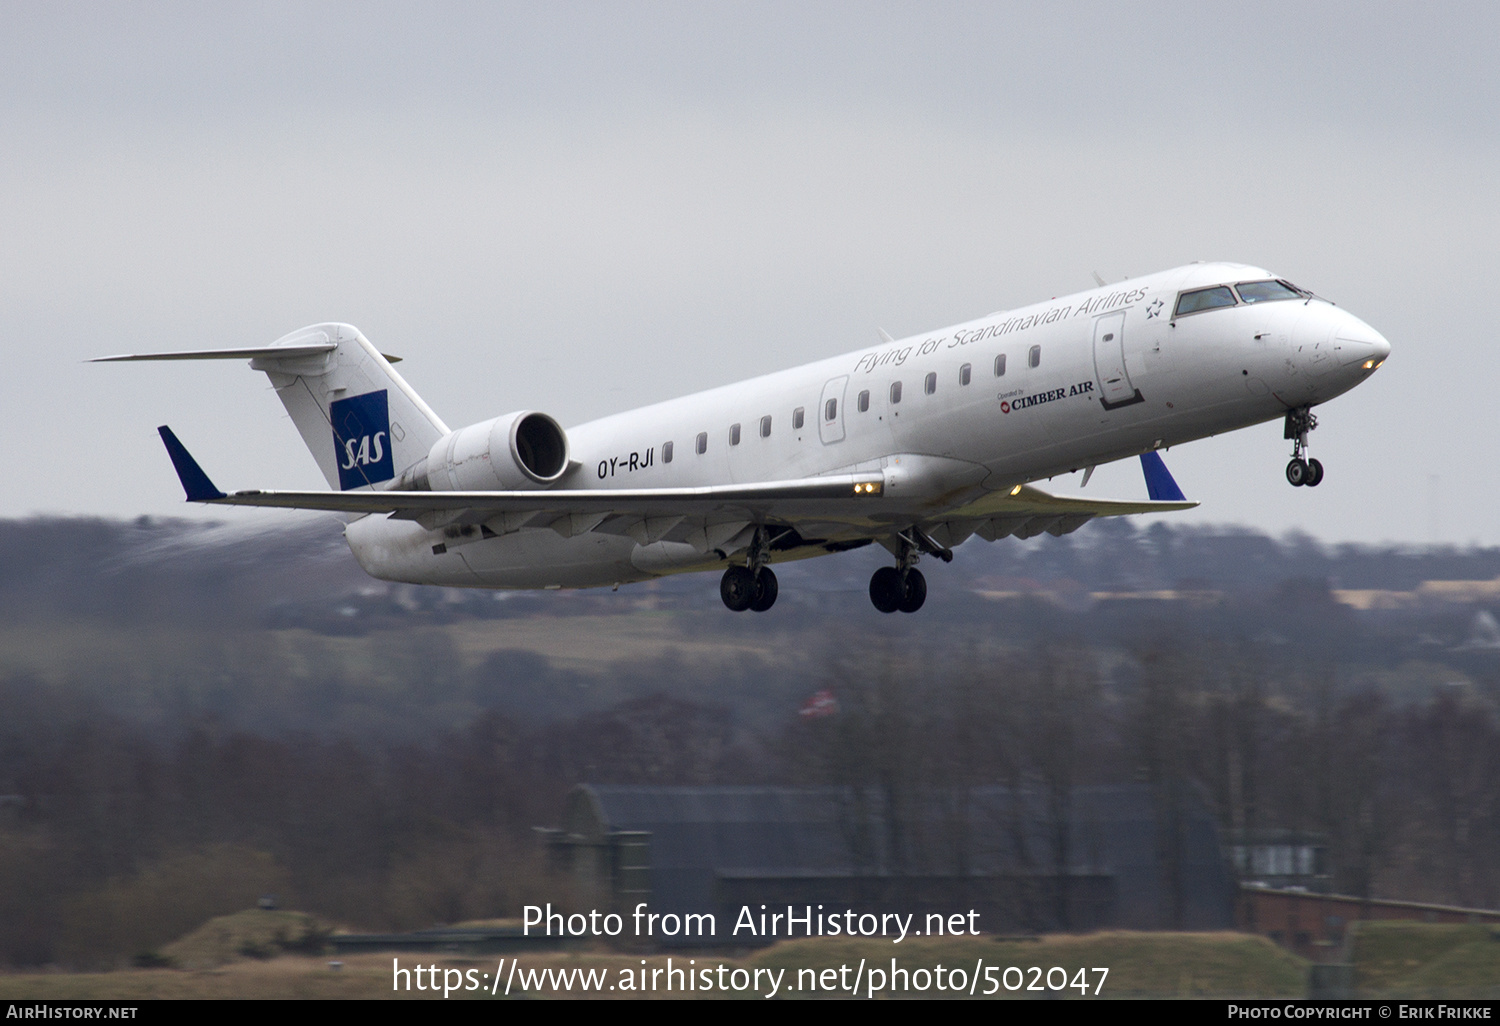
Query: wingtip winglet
x=1159, y=483
x=194, y=481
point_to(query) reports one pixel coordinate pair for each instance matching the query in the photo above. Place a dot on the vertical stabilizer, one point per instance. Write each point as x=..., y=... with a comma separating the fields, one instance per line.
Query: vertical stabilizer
x=360, y=419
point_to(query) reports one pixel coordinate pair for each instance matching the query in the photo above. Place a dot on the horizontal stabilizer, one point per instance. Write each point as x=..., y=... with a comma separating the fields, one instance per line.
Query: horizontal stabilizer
x=256, y=353
x=332, y=381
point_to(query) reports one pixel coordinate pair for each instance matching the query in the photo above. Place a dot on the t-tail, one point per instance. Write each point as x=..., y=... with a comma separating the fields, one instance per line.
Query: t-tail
x=361, y=421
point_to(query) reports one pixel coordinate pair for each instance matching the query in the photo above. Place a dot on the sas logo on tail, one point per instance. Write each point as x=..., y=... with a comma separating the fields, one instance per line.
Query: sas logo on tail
x=362, y=439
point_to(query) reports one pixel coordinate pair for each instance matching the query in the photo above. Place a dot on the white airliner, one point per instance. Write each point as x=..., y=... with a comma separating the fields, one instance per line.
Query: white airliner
x=916, y=443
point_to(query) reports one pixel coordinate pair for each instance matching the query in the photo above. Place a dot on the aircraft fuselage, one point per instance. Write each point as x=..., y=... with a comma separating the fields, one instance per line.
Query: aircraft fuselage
x=945, y=418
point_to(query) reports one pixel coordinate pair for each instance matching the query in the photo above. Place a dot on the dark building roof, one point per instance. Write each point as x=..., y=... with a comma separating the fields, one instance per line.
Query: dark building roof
x=1134, y=855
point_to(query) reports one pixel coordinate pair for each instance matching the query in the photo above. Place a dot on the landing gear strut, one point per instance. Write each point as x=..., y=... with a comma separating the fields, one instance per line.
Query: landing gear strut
x=752, y=586
x=902, y=586
x=1301, y=471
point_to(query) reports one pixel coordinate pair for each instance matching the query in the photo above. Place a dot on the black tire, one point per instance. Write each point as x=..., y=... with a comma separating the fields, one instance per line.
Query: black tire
x=913, y=591
x=1314, y=473
x=765, y=590
x=737, y=588
x=885, y=589
x=1297, y=473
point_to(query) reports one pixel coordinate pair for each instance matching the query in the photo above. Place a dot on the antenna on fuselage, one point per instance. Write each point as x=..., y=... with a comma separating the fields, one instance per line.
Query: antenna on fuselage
x=885, y=337
x=1101, y=282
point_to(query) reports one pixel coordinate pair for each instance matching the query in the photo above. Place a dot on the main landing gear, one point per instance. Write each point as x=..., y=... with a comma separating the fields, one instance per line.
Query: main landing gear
x=742, y=589
x=892, y=589
x=902, y=586
x=1301, y=471
x=752, y=586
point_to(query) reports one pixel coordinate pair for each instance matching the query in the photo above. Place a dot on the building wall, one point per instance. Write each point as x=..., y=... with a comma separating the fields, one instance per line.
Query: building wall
x=1314, y=925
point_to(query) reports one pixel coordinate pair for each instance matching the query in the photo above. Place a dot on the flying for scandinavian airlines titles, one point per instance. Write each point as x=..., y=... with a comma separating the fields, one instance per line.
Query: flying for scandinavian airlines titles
x=915, y=444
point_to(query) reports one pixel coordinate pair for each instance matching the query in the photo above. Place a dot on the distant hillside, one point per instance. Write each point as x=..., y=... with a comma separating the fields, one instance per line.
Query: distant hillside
x=289, y=569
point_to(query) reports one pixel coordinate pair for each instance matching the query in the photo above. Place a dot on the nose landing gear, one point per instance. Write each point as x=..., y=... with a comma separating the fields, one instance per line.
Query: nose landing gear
x=752, y=586
x=1301, y=471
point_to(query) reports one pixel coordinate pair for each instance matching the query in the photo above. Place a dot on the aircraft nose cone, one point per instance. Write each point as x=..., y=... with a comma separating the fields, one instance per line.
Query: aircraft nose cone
x=1357, y=342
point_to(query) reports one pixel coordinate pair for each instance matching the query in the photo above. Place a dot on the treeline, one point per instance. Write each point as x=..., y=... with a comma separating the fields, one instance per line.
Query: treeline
x=286, y=570
x=117, y=837
x=1404, y=796
x=121, y=834
x=170, y=751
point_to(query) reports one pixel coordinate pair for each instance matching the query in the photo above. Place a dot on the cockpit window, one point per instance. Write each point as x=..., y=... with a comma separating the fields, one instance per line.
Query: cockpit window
x=1264, y=291
x=1204, y=299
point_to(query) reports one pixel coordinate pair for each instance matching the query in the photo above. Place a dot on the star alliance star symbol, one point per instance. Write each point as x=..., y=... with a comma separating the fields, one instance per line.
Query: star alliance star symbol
x=1154, y=309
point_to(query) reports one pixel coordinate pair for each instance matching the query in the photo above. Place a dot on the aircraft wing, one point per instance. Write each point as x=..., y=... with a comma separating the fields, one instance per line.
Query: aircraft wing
x=411, y=505
x=1023, y=511
x=1029, y=501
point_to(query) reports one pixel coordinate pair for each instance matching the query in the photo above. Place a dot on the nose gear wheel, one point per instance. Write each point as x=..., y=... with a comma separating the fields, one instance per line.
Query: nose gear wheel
x=1301, y=470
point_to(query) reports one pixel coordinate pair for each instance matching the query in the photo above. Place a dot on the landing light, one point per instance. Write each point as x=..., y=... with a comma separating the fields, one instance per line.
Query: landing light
x=1373, y=364
x=867, y=488
x=1016, y=490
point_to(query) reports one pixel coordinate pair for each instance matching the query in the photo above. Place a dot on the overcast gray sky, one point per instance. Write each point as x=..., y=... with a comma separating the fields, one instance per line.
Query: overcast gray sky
x=580, y=208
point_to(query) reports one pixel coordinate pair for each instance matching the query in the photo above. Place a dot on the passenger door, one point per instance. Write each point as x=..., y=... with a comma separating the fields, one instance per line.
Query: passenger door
x=831, y=411
x=1115, y=389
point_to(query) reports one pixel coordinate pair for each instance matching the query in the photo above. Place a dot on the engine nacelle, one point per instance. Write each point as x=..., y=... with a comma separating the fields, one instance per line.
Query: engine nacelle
x=516, y=451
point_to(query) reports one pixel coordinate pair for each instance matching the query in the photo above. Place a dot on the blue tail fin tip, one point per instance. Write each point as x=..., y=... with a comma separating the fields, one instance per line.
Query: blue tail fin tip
x=194, y=481
x=1159, y=483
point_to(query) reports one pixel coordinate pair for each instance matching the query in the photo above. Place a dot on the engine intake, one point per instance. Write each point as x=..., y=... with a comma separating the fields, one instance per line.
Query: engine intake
x=517, y=451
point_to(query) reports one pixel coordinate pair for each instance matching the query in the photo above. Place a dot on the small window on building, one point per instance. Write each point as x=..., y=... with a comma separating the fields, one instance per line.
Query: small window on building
x=864, y=401
x=831, y=410
x=965, y=374
x=1034, y=358
x=702, y=442
x=765, y=426
x=930, y=385
x=797, y=419
x=666, y=452
x=734, y=434
x=1000, y=366
x=895, y=392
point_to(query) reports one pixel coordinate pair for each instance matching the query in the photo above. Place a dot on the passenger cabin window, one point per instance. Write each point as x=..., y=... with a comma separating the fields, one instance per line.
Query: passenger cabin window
x=930, y=385
x=895, y=392
x=831, y=410
x=1034, y=358
x=797, y=419
x=734, y=434
x=765, y=426
x=1204, y=299
x=965, y=373
x=1000, y=366
x=1266, y=291
x=666, y=452
x=864, y=401
x=702, y=442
